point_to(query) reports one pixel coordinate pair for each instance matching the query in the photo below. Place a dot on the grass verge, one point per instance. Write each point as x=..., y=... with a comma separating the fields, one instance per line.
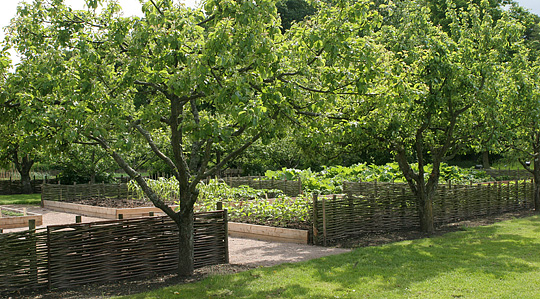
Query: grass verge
x=496, y=261
x=20, y=199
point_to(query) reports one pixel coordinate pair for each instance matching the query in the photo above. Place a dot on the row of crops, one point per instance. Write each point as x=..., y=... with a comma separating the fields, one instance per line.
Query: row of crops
x=330, y=179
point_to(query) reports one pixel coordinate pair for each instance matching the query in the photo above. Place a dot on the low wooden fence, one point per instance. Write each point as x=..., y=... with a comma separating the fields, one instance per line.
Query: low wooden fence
x=508, y=174
x=65, y=256
x=8, y=187
x=384, y=207
x=290, y=188
x=86, y=191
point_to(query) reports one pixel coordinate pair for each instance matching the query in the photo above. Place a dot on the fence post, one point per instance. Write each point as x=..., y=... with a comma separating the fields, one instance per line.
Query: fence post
x=33, y=248
x=120, y=216
x=78, y=219
x=49, y=257
x=150, y=214
x=219, y=206
x=226, y=239
x=489, y=198
x=315, y=220
x=324, y=219
x=300, y=190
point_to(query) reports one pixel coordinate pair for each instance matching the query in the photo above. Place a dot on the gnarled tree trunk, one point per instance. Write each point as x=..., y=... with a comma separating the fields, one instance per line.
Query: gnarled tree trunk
x=24, y=166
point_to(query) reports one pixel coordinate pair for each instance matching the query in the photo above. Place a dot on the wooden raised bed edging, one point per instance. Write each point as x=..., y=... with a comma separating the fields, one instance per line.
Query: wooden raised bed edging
x=99, y=212
x=268, y=233
x=19, y=221
x=242, y=230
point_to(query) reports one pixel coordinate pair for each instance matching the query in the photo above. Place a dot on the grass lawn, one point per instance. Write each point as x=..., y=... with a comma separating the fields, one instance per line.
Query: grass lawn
x=497, y=261
x=20, y=199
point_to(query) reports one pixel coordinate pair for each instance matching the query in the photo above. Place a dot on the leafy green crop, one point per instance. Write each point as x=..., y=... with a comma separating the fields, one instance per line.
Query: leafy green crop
x=330, y=179
x=244, y=203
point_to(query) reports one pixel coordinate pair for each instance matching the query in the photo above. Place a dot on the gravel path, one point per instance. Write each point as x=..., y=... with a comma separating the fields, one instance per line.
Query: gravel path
x=246, y=252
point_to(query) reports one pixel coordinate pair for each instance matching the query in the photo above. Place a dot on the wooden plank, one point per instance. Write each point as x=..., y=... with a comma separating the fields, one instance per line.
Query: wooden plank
x=267, y=233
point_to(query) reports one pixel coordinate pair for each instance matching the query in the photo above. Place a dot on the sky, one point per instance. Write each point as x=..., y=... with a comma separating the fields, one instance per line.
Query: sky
x=133, y=7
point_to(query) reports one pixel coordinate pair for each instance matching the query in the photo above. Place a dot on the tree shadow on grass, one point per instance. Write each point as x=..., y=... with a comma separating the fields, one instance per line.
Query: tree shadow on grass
x=494, y=251
x=485, y=249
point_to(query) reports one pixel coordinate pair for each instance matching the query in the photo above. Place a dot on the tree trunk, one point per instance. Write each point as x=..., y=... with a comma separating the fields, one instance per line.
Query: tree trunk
x=23, y=167
x=485, y=160
x=26, y=182
x=185, y=258
x=536, y=178
x=424, y=201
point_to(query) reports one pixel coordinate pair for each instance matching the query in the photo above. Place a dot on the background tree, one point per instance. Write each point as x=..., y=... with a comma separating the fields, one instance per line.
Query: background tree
x=443, y=83
x=24, y=127
x=521, y=111
x=224, y=75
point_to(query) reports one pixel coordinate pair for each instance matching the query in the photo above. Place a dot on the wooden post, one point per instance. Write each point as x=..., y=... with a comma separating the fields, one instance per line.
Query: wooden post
x=324, y=219
x=78, y=219
x=0, y=212
x=489, y=198
x=226, y=239
x=517, y=194
x=32, y=224
x=32, y=250
x=219, y=206
x=151, y=214
x=300, y=190
x=24, y=212
x=315, y=220
x=49, y=257
x=120, y=216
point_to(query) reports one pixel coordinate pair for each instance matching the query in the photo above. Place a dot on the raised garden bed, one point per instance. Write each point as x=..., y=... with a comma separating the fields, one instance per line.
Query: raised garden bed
x=268, y=233
x=99, y=212
x=15, y=218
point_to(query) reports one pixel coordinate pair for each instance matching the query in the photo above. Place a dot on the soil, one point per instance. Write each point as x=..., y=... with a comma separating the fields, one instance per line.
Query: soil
x=247, y=254
x=112, y=202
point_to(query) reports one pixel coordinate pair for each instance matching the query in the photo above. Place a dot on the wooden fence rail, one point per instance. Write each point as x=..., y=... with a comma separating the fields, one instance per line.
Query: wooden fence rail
x=384, y=207
x=65, y=256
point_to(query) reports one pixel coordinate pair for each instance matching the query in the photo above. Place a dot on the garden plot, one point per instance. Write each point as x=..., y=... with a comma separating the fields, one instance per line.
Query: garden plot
x=251, y=213
x=15, y=218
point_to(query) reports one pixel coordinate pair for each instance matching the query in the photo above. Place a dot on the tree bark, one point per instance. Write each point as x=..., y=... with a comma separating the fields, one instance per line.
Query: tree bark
x=485, y=160
x=24, y=166
x=425, y=210
x=186, y=251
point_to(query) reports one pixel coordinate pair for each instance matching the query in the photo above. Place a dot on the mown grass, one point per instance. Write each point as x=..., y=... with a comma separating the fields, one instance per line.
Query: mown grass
x=20, y=199
x=497, y=261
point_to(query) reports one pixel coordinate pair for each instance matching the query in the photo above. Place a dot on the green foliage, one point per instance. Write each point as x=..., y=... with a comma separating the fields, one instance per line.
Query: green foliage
x=244, y=204
x=330, y=180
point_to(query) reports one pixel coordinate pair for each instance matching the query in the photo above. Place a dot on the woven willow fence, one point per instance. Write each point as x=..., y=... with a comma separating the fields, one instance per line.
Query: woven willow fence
x=8, y=187
x=64, y=256
x=383, y=207
x=85, y=191
x=290, y=188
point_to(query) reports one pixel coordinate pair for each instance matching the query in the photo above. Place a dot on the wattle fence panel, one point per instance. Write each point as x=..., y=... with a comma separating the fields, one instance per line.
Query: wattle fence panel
x=65, y=256
x=59, y=192
x=384, y=207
